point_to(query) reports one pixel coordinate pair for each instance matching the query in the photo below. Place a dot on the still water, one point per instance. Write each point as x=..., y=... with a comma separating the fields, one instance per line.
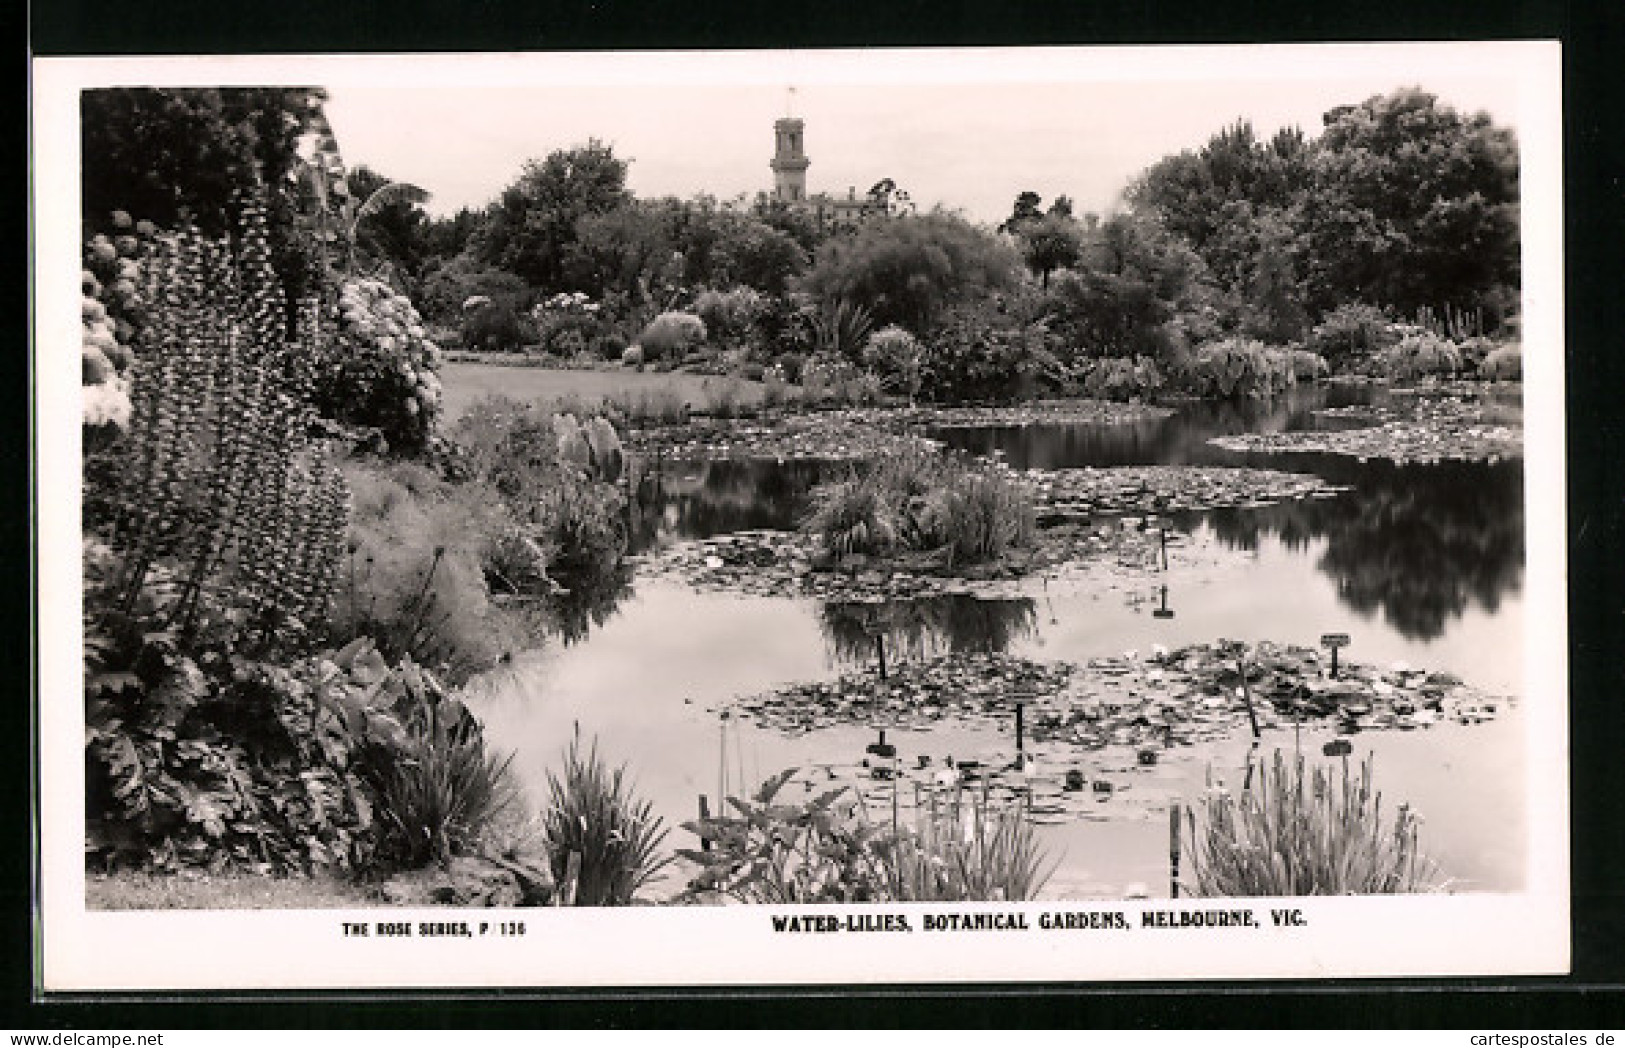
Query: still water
x=1421, y=564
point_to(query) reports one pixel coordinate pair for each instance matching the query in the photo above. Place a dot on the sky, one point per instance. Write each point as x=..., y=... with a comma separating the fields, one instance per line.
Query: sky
x=968, y=130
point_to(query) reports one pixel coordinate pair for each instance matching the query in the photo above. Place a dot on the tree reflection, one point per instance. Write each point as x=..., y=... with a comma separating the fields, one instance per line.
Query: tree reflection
x=1420, y=543
x=688, y=500
x=922, y=628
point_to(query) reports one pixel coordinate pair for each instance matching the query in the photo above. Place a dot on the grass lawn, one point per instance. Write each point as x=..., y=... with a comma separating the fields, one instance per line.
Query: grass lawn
x=140, y=890
x=466, y=383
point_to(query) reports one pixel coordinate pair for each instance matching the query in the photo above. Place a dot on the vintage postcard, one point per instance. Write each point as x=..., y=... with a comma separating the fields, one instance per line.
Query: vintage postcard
x=666, y=519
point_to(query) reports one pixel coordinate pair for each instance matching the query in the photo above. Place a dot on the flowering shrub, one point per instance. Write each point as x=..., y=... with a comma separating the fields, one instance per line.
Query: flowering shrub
x=569, y=324
x=381, y=369
x=216, y=479
x=110, y=312
x=895, y=355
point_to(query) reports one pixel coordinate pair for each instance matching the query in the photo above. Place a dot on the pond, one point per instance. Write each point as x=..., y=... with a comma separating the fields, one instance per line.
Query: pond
x=1421, y=564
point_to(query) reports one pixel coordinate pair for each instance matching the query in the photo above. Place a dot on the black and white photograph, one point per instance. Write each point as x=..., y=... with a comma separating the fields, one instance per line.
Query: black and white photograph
x=868, y=516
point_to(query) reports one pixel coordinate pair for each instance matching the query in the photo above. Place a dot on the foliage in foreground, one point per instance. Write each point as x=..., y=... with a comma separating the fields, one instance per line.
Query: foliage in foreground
x=438, y=787
x=1303, y=832
x=826, y=849
x=921, y=500
x=597, y=828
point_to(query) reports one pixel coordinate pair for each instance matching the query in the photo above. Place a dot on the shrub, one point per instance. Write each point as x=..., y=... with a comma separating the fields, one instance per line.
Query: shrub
x=1503, y=364
x=821, y=850
x=730, y=316
x=895, y=356
x=670, y=335
x=1121, y=378
x=982, y=355
x=1352, y=332
x=961, y=850
x=632, y=357
x=496, y=327
x=593, y=815
x=381, y=369
x=216, y=490
x=908, y=270
x=1320, y=834
x=725, y=398
x=649, y=406
x=1307, y=366
x=1418, y=355
x=1240, y=367
x=839, y=330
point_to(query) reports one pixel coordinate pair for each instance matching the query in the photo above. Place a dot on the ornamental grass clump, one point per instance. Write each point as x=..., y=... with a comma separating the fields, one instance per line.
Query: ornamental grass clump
x=1303, y=832
x=598, y=828
x=922, y=500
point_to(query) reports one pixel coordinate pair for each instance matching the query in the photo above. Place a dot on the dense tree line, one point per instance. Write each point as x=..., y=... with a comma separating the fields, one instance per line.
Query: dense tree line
x=1400, y=207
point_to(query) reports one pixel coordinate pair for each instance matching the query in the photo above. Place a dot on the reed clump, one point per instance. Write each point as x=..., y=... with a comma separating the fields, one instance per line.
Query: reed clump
x=1304, y=831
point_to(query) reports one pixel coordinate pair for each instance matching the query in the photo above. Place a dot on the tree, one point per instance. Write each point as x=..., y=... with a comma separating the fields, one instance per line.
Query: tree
x=531, y=227
x=388, y=225
x=1413, y=204
x=907, y=270
x=179, y=155
x=1050, y=242
x=1025, y=209
x=1133, y=283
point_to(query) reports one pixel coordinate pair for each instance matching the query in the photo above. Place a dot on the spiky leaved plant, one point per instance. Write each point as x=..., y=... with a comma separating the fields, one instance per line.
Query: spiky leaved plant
x=593, y=813
x=1299, y=831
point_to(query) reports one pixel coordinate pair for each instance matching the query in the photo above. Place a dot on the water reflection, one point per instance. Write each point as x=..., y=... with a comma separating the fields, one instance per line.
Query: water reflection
x=923, y=628
x=700, y=500
x=1179, y=440
x=1419, y=543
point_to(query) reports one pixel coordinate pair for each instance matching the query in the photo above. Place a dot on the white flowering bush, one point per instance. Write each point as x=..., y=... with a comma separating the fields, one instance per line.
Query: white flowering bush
x=110, y=309
x=381, y=369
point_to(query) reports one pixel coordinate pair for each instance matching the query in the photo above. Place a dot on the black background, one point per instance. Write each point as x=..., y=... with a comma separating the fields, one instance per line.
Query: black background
x=1593, y=37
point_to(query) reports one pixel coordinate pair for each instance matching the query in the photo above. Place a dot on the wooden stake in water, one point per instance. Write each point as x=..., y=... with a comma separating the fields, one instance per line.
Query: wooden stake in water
x=1247, y=695
x=880, y=647
x=1021, y=709
x=1173, y=850
x=1163, y=533
x=705, y=814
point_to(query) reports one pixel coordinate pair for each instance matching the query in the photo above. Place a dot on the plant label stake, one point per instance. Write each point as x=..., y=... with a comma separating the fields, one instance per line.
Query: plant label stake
x=1334, y=641
x=705, y=814
x=1173, y=850
x=1021, y=709
x=1162, y=612
x=1162, y=542
x=880, y=647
